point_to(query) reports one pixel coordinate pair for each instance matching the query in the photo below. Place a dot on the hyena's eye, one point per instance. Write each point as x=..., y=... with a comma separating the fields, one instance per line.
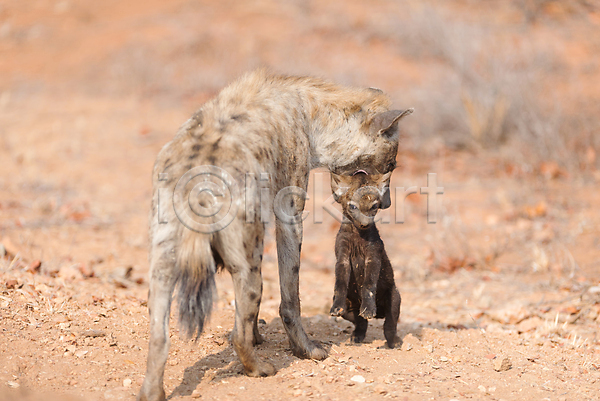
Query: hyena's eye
x=352, y=206
x=390, y=167
x=374, y=207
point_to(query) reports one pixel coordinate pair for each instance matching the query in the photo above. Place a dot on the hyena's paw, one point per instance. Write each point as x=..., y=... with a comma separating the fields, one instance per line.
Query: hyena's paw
x=151, y=395
x=313, y=351
x=396, y=342
x=368, y=310
x=337, y=310
x=317, y=353
x=257, y=339
x=358, y=338
x=261, y=369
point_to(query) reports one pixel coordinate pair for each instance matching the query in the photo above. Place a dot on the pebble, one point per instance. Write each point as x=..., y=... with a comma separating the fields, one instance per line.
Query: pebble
x=93, y=333
x=501, y=365
x=358, y=379
x=81, y=353
x=127, y=382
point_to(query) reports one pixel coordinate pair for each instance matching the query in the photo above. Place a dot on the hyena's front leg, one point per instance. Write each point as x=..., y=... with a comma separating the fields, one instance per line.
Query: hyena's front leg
x=162, y=283
x=289, y=241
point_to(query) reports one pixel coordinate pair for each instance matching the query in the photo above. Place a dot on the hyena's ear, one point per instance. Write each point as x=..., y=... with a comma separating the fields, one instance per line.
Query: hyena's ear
x=386, y=123
x=339, y=185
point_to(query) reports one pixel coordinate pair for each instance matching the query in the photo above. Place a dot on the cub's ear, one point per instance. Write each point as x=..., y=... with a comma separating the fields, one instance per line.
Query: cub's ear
x=386, y=123
x=386, y=201
x=339, y=185
x=383, y=185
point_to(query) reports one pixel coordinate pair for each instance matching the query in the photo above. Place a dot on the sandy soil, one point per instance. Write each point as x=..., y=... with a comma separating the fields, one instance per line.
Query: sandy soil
x=500, y=298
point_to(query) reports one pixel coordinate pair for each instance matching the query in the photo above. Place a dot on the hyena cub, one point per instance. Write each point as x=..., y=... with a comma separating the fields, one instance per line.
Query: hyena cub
x=364, y=278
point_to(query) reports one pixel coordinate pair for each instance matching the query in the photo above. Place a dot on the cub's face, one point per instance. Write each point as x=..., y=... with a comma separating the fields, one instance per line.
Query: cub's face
x=361, y=196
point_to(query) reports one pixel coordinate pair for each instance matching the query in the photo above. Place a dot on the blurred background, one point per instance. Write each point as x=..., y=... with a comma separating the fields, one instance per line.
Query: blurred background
x=506, y=97
x=480, y=74
x=90, y=91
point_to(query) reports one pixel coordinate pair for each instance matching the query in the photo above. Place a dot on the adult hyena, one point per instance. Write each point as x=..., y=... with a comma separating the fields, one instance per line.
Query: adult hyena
x=263, y=125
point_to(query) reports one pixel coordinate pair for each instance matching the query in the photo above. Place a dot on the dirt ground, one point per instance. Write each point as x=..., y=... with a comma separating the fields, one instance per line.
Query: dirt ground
x=500, y=298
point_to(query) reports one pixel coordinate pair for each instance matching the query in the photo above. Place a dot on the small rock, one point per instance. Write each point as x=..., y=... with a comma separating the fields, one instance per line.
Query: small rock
x=501, y=365
x=481, y=388
x=409, y=342
x=358, y=379
x=69, y=273
x=11, y=284
x=13, y=384
x=93, y=333
x=64, y=326
x=34, y=267
x=112, y=340
x=85, y=270
x=529, y=324
x=81, y=353
x=10, y=248
x=429, y=348
x=127, y=382
x=196, y=393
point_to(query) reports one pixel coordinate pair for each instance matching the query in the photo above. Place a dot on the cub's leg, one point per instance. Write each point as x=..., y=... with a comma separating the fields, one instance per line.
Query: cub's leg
x=360, y=326
x=368, y=307
x=390, y=325
x=342, y=280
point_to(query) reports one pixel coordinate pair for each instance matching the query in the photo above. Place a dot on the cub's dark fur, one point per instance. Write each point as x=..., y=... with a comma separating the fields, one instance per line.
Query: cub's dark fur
x=364, y=278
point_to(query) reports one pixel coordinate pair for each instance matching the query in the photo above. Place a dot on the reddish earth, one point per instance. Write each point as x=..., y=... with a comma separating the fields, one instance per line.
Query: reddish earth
x=500, y=298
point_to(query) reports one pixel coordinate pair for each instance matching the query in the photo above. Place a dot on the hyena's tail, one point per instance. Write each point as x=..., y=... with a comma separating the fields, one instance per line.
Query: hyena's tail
x=196, y=288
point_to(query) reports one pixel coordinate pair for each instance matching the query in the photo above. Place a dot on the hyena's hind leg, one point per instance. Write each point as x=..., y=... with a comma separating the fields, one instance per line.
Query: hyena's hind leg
x=254, y=253
x=162, y=283
x=390, y=325
x=243, y=263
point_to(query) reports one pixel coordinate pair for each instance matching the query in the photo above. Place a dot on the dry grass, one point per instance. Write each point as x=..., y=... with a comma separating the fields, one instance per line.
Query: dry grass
x=493, y=84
